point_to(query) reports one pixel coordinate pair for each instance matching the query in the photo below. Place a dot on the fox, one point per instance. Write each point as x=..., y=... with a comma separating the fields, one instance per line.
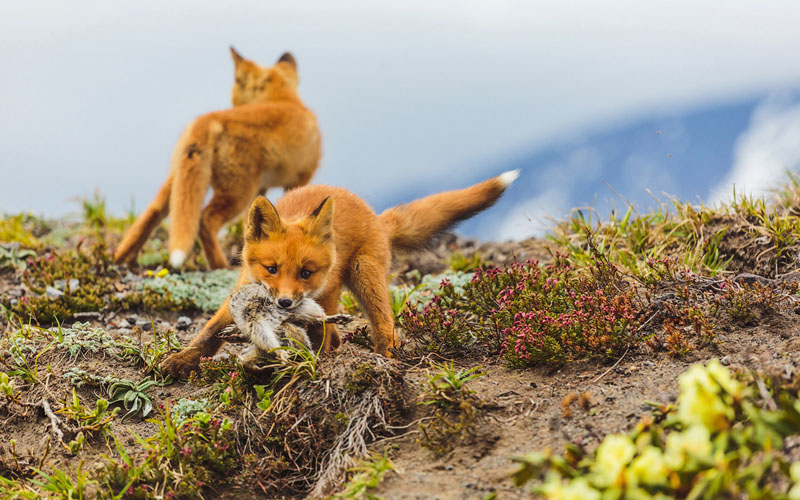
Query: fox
x=300, y=248
x=269, y=138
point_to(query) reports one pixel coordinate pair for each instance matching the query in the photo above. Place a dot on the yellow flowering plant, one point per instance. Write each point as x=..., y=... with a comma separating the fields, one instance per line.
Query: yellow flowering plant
x=722, y=439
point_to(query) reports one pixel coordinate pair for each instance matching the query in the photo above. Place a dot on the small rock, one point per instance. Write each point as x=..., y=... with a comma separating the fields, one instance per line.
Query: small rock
x=53, y=293
x=132, y=319
x=74, y=284
x=184, y=322
x=14, y=302
x=725, y=361
x=143, y=322
x=448, y=467
x=124, y=324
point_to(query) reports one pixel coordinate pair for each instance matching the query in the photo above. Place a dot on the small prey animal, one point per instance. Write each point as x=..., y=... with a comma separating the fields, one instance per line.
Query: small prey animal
x=266, y=326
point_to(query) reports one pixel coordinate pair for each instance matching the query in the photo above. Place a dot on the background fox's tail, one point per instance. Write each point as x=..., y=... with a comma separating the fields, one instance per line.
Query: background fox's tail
x=181, y=197
x=414, y=224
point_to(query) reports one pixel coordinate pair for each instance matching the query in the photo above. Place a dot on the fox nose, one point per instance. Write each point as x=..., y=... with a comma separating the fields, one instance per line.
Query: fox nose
x=284, y=302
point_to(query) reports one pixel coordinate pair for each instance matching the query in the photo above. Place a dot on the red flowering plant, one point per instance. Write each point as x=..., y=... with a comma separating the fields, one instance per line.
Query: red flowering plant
x=528, y=314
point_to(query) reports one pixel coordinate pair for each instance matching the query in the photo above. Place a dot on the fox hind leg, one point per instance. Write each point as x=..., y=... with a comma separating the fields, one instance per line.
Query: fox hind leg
x=221, y=209
x=137, y=235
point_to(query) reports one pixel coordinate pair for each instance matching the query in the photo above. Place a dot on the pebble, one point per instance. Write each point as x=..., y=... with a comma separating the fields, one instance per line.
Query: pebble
x=53, y=293
x=143, y=322
x=74, y=284
x=124, y=324
x=725, y=361
x=184, y=322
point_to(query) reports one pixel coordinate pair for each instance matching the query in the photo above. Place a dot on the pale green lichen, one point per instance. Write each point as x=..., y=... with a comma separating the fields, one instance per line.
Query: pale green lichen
x=205, y=290
x=187, y=408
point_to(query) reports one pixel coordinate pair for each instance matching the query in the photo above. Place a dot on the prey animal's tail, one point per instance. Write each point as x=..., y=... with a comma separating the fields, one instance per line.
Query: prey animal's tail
x=414, y=224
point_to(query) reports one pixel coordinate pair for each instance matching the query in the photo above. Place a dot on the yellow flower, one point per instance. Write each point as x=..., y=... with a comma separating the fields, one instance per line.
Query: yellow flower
x=576, y=489
x=700, y=400
x=613, y=454
x=694, y=442
x=648, y=468
x=794, y=473
x=162, y=273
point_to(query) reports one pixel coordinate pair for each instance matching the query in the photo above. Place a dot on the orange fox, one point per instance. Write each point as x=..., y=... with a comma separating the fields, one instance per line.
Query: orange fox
x=300, y=249
x=269, y=138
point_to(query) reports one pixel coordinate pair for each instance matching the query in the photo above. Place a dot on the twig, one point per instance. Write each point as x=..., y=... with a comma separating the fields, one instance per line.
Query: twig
x=54, y=421
x=596, y=379
x=762, y=389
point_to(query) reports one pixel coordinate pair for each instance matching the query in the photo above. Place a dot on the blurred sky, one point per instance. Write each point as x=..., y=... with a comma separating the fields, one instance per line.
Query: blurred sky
x=409, y=94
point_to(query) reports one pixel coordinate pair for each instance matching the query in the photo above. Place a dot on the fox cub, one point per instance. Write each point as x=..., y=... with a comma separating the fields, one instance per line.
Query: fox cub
x=301, y=248
x=268, y=139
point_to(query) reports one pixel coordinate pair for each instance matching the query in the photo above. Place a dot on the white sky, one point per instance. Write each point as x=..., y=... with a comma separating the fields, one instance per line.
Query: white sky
x=94, y=94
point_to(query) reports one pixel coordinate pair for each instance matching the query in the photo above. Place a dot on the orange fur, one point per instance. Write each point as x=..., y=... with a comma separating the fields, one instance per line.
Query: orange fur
x=268, y=139
x=317, y=239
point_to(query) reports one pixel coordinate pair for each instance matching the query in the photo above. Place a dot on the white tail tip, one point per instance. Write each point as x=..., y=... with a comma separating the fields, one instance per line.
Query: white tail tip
x=508, y=178
x=176, y=259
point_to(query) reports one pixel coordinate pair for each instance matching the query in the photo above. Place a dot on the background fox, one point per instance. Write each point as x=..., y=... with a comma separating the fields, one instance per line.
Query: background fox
x=301, y=248
x=269, y=138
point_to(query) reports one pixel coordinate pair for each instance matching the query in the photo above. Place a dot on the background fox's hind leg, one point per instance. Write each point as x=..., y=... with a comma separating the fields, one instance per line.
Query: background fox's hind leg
x=137, y=235
x=221, y=209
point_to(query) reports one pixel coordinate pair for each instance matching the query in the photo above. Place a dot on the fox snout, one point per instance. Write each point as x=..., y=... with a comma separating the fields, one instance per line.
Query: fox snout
x=285, y=302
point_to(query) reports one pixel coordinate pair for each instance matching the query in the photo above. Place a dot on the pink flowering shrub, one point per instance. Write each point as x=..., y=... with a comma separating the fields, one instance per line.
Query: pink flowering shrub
x=528, y=314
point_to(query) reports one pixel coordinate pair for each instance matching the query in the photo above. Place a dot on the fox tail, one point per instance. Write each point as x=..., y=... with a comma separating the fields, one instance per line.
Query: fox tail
x=191, y=172
x=413, y=225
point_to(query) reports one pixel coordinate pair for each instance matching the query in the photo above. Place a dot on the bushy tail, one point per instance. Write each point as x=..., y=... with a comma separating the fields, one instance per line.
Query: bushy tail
x=414, y=224
x=137, y=235
x=191, y=174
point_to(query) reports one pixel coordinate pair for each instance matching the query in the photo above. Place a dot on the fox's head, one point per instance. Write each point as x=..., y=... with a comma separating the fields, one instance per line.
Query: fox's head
x=256, y=83
x=292, y=257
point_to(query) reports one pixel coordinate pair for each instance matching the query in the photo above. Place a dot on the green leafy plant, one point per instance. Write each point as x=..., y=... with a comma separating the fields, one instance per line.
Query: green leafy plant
x=66, y=485
x=460, y=263
x=455, y=408
x=96, y=420
x=14, y=257
x=365, y=478
x=133, y=396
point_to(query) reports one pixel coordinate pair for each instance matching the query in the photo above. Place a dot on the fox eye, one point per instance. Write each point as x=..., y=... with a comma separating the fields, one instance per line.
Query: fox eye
x=305, y=274
x=272, y=269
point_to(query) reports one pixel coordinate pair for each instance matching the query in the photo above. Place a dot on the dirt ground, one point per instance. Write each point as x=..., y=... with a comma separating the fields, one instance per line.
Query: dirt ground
x=525, y=409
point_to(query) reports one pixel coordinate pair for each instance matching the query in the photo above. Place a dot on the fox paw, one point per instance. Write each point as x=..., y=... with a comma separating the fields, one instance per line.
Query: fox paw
x=181, y=364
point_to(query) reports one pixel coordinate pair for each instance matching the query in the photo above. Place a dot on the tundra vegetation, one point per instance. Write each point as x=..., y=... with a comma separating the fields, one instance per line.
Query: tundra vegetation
x=633, y=356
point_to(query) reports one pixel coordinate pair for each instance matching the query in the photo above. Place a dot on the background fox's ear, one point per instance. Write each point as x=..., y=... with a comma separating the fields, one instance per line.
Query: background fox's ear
x=287, y=57
x=236, y=57
x=322, y=220
x=262, y=220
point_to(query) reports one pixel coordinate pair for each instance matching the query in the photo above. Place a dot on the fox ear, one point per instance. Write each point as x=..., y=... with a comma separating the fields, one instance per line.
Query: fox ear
x=262, y=220
x=322, y=220
x=236, y=57
x=287, y=57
